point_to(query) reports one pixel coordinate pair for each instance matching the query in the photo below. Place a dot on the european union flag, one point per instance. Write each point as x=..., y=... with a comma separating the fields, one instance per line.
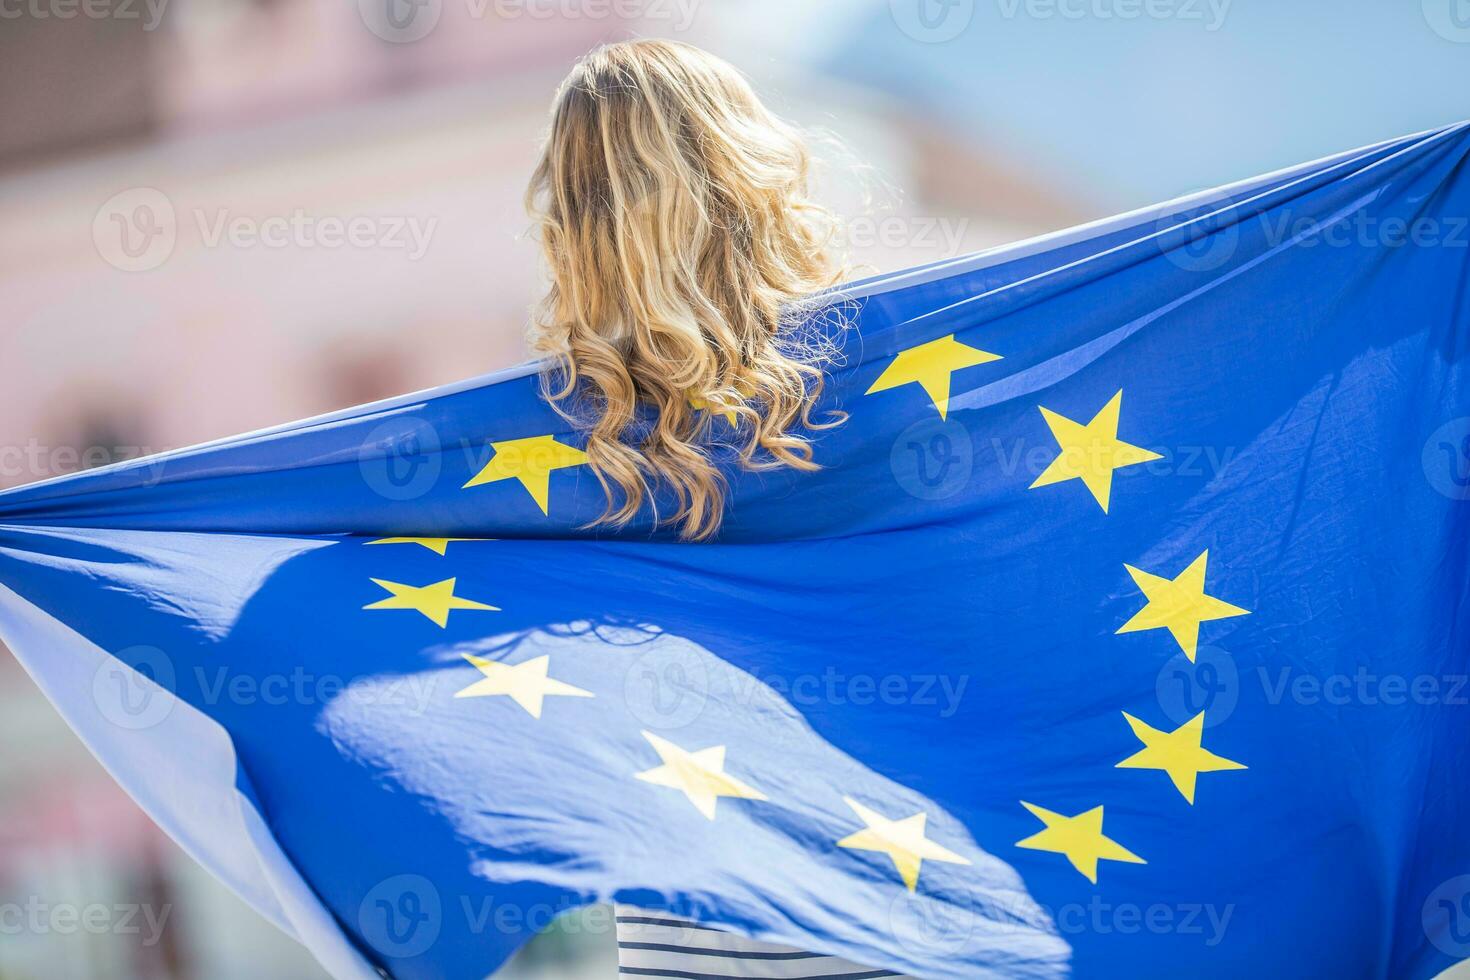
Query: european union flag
x=1124, y=632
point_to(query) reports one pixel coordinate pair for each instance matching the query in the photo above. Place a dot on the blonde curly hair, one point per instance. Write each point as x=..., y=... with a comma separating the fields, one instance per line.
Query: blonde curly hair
x=673, y=211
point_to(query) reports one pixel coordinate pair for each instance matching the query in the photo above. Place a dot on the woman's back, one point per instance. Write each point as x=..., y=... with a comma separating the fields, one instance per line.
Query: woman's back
x=673, y=213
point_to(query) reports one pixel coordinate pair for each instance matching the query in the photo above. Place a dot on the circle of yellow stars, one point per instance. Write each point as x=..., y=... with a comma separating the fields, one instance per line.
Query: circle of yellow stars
x=1089, y=452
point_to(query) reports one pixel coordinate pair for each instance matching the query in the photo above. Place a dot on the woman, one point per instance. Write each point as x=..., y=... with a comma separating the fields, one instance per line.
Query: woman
x=673, y=212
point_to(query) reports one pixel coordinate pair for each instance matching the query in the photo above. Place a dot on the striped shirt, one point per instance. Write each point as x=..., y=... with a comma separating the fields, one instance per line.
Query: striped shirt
x=659, y=945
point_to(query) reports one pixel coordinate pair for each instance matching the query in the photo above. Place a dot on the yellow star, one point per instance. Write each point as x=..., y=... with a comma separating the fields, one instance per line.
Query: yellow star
x=1177, y=753
x=902, y=840
x=435, y=601
x=1090, y=452
x=1080, y=838
x=702, y=405
x=530, y=461
x=699, y=775
x=526, y=683
x=437, y=545
x=930, y=366
x=1178, y=605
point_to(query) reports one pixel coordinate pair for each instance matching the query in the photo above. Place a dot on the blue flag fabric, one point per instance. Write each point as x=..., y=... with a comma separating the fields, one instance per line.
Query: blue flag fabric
x=1124, y=631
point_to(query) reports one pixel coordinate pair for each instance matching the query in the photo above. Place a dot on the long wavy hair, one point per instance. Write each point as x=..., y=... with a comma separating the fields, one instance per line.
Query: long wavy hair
x=673, y=211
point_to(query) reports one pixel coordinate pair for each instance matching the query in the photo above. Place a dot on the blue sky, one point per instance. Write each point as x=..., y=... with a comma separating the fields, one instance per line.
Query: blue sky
x=1125, y=110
